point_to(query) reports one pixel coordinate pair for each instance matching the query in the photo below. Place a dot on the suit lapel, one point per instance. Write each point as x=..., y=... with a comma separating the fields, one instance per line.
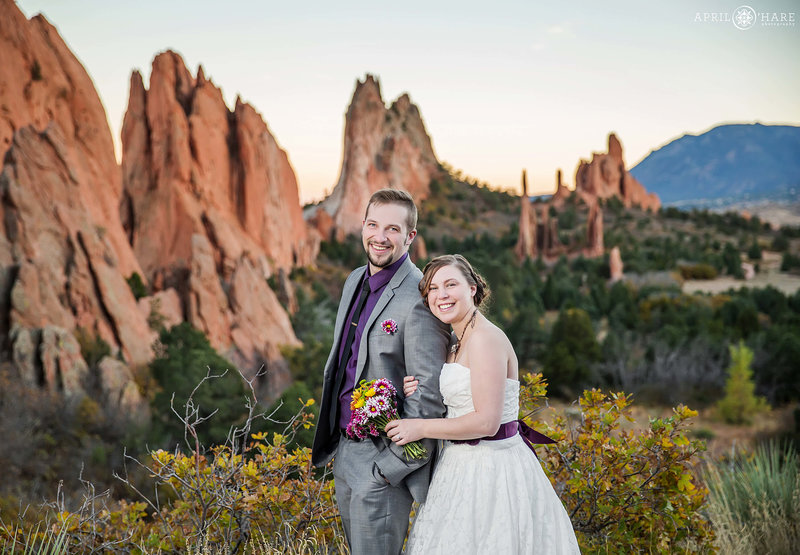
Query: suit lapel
x=384, y=299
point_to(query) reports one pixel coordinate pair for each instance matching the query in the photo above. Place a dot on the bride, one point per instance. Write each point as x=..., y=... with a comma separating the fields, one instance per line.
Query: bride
x=489, y=495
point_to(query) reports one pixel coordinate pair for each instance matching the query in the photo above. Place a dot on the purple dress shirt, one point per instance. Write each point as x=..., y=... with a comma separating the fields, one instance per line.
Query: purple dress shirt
x=377, y=283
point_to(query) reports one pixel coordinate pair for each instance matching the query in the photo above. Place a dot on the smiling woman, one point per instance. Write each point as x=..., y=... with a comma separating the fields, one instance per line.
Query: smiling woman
x=486, y=463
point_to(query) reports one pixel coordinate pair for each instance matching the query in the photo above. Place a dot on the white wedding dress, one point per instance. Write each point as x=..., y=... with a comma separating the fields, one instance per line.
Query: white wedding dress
x=492, y=497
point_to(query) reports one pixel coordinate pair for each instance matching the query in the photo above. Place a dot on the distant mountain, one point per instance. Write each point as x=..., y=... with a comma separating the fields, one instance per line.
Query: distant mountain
x=728, y=163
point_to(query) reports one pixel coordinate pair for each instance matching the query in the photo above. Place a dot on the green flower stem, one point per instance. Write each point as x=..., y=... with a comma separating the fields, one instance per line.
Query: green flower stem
x=413, y=450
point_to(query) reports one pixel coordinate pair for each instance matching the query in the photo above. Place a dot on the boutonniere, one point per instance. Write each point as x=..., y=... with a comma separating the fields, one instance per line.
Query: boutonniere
x=389, y=326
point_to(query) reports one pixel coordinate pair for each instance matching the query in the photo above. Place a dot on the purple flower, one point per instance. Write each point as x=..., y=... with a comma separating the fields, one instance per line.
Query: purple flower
x=389, y=326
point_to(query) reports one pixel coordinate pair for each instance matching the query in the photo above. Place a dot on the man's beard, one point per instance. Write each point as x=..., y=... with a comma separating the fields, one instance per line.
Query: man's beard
x=379, y=263
x=385, y=260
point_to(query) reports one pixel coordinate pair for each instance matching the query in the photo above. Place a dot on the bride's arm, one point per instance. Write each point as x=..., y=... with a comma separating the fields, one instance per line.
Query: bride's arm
x=487, y=361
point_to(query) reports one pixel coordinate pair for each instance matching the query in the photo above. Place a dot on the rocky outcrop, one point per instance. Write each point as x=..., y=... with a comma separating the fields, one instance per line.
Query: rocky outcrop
x=605, y=176
x=64, y=255
x=594, y=231
x=383, y=147
x=548, y=242
x=212, y=209
x=526, y=246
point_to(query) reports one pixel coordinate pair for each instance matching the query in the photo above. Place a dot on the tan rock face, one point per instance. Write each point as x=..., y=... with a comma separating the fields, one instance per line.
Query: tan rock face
x=64, y=255
x=605, y=176
x=212, y=209
x=383, y=147
x=615, y=263
x=526, y=246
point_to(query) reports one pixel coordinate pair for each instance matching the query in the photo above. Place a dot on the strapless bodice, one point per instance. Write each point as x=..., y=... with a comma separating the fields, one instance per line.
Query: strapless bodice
x=454, y=383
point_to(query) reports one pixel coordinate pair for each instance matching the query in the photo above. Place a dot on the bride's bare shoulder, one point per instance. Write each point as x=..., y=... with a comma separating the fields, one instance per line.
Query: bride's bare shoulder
x=489, y=339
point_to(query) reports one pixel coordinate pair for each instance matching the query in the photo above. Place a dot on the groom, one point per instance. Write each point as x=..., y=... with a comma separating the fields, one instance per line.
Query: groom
x=375, y=483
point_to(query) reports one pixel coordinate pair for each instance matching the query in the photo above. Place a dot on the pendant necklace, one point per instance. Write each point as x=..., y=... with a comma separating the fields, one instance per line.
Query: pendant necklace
x=457, y=345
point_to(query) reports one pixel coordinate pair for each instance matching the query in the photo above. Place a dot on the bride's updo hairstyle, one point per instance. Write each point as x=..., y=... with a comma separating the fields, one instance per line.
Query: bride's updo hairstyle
x=466, y=269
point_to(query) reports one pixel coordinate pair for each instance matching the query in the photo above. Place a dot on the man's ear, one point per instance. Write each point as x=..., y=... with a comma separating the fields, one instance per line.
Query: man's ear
x=411, y=235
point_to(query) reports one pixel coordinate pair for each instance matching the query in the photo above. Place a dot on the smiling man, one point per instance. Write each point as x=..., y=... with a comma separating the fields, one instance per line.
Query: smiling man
x=375, y=483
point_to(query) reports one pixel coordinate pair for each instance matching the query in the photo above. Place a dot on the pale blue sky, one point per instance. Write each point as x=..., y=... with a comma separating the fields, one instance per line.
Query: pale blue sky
x=502, y=86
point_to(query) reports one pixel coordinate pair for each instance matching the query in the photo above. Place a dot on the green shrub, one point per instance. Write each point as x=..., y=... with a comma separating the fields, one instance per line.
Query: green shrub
x=93, y=347
x=184, y=361
x=754, y=252
x=626, y=491
x=789, y=262
x=138, y=288
x=698, y=271
x=252, y=494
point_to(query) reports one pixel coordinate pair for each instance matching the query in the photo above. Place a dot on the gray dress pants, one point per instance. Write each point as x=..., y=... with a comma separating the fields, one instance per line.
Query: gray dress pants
x=374, y=513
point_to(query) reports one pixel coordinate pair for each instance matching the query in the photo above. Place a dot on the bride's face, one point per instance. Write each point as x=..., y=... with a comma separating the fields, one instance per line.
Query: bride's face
x=450, y=297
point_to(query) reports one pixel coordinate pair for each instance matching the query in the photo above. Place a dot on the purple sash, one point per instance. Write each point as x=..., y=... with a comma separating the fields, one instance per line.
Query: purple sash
x=509, y=429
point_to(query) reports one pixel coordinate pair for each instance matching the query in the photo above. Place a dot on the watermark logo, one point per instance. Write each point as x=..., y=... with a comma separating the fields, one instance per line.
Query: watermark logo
x=745, y=17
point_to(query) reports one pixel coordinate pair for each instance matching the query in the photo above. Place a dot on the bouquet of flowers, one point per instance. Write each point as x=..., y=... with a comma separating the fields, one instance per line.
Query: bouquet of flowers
x=374, y=405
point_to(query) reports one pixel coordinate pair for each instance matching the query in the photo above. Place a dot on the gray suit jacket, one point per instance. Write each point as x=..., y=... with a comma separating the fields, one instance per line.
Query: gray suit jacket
x=419, y=347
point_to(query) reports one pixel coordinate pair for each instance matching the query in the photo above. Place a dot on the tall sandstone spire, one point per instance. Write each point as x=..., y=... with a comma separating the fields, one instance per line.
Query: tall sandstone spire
x=594, y=231
x=526, y=242
x=383, y=147
x=212, y=209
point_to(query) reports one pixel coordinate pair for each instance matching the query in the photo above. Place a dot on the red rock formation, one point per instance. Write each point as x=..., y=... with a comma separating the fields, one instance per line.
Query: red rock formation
x=526, y=242
x=594, y=231
x=547, y=234
x=212, y=209
x=382, y=148
x=605, y=176
x=64, y=256
x=615, y=265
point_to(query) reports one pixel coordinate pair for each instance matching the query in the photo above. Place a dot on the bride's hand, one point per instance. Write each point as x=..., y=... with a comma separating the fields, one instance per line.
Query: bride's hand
x=410, y=384
x=405, y=430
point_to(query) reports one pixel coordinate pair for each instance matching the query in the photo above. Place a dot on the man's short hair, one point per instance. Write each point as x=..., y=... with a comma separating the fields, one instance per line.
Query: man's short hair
x=395, y=196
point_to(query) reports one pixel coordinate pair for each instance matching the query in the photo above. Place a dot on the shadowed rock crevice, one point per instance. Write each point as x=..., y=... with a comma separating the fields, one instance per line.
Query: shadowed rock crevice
x=97, y=290
x=8, y=276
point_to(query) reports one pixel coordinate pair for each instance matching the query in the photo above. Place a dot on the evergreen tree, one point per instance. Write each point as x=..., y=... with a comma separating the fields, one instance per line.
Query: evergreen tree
x=185, y=358
x=740, y=403
x=570, y=352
